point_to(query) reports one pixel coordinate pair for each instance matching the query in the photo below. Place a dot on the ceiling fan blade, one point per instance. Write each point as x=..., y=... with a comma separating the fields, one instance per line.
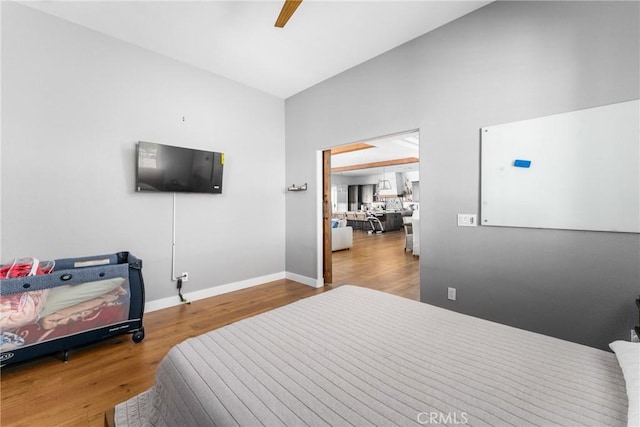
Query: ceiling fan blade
x=288, y=8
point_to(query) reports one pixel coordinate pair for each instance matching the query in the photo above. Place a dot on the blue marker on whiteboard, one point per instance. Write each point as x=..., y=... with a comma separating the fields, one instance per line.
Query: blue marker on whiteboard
x=522, y=163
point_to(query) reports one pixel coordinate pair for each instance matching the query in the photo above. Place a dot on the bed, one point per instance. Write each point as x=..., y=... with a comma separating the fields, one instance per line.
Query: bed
x=355, y=356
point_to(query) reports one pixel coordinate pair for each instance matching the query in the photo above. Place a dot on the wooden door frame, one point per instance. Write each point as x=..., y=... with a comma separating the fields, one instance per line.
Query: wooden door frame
x=327, y=262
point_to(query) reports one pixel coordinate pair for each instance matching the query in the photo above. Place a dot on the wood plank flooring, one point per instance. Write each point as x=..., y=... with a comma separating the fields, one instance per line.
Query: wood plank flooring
x=378, y=261
x=48, y=392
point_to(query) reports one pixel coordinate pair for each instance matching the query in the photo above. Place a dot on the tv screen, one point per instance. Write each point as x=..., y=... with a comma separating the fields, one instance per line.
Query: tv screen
x=177, y=169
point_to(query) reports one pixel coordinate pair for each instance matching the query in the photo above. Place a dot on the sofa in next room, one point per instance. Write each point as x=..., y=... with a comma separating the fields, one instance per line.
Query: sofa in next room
x=341, y=235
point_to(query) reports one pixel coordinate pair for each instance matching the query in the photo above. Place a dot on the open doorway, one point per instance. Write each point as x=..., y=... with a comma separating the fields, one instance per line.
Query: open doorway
x=370, y=200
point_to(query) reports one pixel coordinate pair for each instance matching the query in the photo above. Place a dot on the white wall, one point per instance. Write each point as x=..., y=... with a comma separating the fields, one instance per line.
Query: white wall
x=75, y=102
x=504, y=62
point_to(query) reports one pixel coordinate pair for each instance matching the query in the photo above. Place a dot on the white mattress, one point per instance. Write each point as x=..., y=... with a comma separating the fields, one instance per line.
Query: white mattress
x=355, y=356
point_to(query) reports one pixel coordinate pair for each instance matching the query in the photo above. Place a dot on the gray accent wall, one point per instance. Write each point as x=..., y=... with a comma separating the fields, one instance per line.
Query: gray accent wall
x=505, y=62
x=74, y=104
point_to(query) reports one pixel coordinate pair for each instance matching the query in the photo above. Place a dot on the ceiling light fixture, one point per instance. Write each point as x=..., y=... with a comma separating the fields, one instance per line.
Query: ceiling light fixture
x=384, y=183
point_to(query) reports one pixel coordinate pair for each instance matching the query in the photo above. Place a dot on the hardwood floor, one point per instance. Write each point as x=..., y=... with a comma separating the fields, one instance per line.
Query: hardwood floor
x=48, y=392
x=378, y=261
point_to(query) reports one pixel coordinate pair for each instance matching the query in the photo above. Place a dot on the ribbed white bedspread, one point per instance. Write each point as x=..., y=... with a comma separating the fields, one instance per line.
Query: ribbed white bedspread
x=354, y=356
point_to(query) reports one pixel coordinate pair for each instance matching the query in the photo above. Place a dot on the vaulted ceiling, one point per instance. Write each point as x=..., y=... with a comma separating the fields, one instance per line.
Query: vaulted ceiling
x=238, y=39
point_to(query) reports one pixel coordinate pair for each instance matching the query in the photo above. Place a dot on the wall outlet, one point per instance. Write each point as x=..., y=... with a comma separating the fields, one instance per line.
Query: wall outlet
x=467, y=220
x=451, y=294
x=185, y=277
x=634, y=336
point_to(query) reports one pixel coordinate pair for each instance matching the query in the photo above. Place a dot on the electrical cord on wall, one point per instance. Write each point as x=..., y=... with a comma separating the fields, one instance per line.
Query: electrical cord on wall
x=173, y=254
x=182, y=298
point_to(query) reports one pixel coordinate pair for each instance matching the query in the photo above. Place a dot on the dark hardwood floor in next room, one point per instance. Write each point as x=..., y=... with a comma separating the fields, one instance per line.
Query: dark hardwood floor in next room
x=48, y=392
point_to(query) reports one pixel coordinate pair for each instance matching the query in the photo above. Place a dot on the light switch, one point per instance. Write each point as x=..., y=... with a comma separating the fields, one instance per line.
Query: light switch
x=467, y=220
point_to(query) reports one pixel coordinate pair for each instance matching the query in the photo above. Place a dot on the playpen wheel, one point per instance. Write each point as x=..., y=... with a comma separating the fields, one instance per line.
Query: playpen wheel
x=138, y=335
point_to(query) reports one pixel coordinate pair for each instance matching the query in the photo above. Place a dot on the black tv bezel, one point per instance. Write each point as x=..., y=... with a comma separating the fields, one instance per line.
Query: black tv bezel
x=216, y=168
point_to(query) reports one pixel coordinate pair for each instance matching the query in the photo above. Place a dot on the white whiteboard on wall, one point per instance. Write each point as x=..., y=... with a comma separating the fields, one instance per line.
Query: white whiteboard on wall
x=578, y=171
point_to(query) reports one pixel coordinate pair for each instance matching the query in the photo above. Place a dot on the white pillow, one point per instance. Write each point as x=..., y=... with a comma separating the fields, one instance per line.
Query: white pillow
x=628, y=354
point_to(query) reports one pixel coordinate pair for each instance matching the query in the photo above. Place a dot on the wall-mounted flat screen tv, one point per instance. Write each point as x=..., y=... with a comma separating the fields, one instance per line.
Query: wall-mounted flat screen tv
x=177, y=169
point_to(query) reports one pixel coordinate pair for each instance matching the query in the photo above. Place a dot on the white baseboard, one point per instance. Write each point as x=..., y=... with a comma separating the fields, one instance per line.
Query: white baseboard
x=159, y=304
x=314, y=283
